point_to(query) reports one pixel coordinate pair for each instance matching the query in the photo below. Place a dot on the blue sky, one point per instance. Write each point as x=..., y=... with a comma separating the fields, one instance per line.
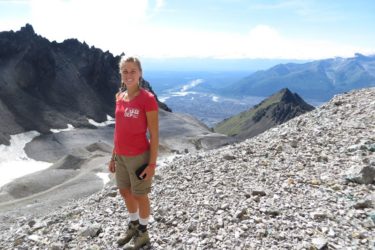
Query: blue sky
x=283, y=29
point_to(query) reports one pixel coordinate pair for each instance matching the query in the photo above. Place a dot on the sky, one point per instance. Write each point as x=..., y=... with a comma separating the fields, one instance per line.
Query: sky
x=225, y=29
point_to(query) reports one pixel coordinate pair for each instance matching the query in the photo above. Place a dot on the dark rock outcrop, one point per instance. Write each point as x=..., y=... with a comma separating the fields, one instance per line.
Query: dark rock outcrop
x=46, y=85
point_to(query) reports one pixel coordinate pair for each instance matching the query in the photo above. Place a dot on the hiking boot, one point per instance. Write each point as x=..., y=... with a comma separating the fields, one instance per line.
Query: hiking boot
x=141, y=239
x=130, y=233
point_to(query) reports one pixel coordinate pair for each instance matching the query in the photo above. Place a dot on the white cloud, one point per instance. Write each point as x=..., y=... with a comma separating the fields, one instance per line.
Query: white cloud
x=160, y=3
x=265, y=42
x=128, y=26
x=307, y=9
x=261, y=42
x=97, y=22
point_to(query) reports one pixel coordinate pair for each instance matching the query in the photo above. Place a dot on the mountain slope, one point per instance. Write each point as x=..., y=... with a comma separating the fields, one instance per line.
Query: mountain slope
x=178, y=133
x=184, y=133
x=274, y=110
x=46, y=85
x=284, y=189
x=317, y=79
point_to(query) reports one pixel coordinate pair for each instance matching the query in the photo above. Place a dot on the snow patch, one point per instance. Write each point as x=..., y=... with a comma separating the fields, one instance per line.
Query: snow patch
x=14, y=162
x=70, y=127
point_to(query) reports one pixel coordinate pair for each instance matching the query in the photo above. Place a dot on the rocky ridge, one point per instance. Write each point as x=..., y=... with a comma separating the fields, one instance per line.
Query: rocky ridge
x=46, y=85
x=274, y=110
x=305, y=184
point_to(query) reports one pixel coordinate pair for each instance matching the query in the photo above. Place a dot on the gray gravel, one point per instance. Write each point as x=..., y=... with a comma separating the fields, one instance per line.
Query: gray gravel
x=306, y=184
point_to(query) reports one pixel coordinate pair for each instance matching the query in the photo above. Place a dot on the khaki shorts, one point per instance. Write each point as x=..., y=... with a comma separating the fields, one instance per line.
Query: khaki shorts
x=125, y=173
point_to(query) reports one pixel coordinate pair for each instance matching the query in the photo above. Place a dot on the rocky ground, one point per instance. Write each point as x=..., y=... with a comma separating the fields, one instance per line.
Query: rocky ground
x=306, y=184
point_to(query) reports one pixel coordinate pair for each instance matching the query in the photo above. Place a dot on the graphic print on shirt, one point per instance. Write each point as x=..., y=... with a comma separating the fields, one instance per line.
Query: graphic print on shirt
x=131, y=112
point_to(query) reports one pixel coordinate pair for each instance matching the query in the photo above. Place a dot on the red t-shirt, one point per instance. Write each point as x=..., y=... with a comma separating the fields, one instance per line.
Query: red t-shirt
x=131, y=123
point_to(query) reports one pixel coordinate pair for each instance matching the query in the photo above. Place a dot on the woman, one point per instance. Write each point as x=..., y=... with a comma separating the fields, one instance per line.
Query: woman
x=136, y=112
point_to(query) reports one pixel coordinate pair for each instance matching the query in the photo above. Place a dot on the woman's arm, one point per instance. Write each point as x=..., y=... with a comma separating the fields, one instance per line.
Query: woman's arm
x=153, y=128
x=111, y=164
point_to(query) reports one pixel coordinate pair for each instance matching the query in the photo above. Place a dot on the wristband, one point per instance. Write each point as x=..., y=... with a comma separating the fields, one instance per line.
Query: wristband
x=153, y=165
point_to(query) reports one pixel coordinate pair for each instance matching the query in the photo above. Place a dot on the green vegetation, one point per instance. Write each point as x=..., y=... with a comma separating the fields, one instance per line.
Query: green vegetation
x=235, y=124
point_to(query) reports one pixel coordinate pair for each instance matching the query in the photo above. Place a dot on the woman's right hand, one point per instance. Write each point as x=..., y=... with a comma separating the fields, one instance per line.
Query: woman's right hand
x=112, y=166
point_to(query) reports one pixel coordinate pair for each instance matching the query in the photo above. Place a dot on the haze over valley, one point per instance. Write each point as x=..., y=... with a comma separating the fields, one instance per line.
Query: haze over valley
x=212, y=96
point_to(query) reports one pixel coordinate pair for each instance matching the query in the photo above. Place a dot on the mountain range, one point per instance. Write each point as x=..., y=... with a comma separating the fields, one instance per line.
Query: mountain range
x=320, y=79
x=46, y=85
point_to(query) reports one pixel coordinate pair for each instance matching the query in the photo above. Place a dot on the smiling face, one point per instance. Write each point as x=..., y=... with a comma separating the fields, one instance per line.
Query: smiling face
x=130, y=74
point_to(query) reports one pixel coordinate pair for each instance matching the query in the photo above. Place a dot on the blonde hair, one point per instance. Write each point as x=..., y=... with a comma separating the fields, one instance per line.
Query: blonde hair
x=123, y=60
x=132, y=59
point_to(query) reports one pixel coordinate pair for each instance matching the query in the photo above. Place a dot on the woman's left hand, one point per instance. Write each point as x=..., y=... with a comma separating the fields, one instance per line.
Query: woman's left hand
x=149, y=171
